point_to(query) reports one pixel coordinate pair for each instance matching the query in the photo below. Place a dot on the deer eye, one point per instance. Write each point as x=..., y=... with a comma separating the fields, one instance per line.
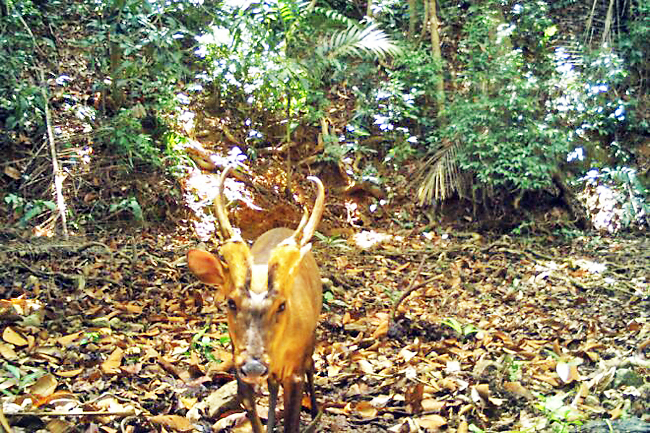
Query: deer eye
x=281, y=307
x=232, y=305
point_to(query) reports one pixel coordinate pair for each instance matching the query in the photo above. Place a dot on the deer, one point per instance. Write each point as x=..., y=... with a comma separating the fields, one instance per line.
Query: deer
x=273, y=296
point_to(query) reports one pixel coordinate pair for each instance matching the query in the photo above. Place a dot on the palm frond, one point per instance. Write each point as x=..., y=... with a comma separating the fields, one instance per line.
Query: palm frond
x=441, y=177
x=287, y=13
x=335, y=16
x=359, y=41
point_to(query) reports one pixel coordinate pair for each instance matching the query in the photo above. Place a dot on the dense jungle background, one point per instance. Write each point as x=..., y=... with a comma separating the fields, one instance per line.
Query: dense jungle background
x=483, y=248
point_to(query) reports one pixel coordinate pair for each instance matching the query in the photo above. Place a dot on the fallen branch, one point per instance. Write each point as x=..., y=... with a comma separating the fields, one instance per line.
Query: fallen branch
x=84, y=413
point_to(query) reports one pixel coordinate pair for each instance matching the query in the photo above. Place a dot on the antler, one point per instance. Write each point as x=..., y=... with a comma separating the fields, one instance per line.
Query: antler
x=307, y=225
x=222, y=215
x=309, y=229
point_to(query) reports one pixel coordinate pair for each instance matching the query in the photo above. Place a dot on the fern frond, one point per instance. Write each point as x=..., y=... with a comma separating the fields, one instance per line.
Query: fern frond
x=359, y=41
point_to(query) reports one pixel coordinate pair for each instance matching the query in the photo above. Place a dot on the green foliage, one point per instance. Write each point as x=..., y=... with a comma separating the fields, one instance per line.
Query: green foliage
x=505, y=135
x=589, y=99
x=177, y=162
x=331, y=241
x=568, y=234
x=633, y=44
x=393, y=14
x=246, y=58
x=516, y=120
x=21, y=102
x=561, y=416
x=328, y=297
x=126, y=137
x=475, y=429
x=619, y=199
x=274, y=57
x=130, y=205
x=514, y=368
x=14, y=380
x=204, y=345
x=507, y=138
x=525, y=227
x=531, y=25
x=143, y=39
x=463, y=331
x=401, y=106
x=358, y=41
x=28, y=210
x=147, y=42
x=90, y=337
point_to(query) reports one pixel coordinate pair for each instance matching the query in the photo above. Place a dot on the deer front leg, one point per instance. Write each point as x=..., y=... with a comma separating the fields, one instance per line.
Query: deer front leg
x=312, y=391
x=247, y=396
x=273, y=401
x=292, y=403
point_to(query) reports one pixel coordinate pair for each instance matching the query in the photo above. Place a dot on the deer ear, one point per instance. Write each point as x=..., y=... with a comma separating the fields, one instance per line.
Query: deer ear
x=207, y=267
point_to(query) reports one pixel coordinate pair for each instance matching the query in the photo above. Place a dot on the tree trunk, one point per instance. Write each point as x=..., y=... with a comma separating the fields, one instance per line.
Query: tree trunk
x=435, y=51
x=412, y=18
x=574, y=205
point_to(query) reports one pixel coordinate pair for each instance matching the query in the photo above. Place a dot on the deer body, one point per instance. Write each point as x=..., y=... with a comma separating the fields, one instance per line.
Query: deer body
x=274, y=298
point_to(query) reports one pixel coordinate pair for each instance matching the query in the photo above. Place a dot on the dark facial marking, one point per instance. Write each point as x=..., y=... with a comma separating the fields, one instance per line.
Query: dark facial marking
x=271, y=281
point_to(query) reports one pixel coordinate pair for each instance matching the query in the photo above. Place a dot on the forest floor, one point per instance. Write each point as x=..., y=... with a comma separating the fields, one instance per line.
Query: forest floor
x=110, y=332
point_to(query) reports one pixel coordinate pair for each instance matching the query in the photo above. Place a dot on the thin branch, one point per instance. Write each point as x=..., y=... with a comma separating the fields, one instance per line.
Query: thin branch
x=84, y=413
x=410, y=289
x=59, y=175
x=3, y=421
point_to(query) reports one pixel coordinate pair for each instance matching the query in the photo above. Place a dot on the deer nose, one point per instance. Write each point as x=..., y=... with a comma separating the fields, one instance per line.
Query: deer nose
x=253, y=369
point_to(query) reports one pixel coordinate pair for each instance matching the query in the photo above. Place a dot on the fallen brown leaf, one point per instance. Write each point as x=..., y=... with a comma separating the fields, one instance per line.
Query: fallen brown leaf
x=44, y=386
x=7, y=352
x=366, y=410
x=431, y=422
x=432, y=405
x=12, y=172
x=174, y=422
x=617, y=411
x=518, y=389
x=68, y=339
x=113, y=363
x=59, y=426
x=69, y=373
x=413, y=397
x=11, y=336
x=381, y=330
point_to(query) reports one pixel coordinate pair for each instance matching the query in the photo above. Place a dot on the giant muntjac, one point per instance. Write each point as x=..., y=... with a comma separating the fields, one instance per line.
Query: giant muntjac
x=273, y=297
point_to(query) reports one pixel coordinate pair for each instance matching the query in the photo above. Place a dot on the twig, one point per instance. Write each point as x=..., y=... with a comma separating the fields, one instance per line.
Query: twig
x=410, y=289
x=59, y=176
x=84, y=413
x=20, y=17
x=21, y=265
x=3, y=421
x=314, y=423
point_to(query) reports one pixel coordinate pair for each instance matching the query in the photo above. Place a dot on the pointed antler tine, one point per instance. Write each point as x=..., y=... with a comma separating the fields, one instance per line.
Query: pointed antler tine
x=316, y=213
x=222, y=215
